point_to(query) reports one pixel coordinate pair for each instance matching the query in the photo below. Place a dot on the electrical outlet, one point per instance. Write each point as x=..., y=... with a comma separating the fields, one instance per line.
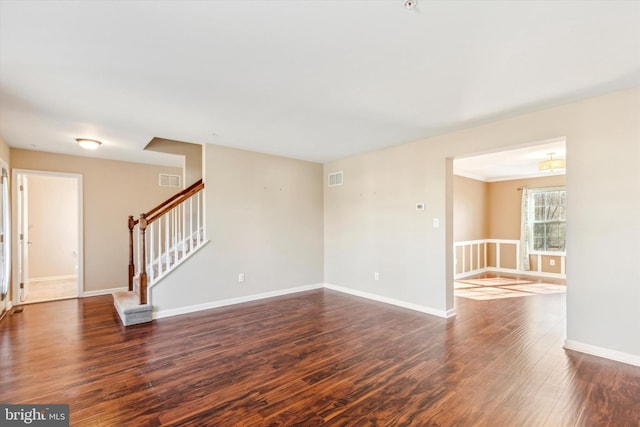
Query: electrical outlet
x=376, y=276
x=240, y=277
x=552, y=262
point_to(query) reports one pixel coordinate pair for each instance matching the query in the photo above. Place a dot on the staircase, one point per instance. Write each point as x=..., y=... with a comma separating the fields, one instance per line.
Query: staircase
x=167, y=236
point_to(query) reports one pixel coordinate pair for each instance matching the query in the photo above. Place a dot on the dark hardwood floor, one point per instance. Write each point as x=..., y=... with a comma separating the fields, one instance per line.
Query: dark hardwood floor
x=314, y=358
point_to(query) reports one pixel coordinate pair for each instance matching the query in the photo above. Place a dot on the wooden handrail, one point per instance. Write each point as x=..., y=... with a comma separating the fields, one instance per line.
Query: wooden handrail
x=175, y=201
x=189, y=189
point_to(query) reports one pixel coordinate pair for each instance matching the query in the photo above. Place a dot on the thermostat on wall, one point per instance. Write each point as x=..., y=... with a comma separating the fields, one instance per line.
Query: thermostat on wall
x=419, y=206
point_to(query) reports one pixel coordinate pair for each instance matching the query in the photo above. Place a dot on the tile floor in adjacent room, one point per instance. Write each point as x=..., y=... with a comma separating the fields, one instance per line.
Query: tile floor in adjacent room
x=50, y=290
x=488, y=288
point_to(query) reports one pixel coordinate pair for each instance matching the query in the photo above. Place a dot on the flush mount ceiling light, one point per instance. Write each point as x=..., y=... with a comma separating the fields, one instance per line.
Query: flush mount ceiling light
x=551, y=164
x=88, y=144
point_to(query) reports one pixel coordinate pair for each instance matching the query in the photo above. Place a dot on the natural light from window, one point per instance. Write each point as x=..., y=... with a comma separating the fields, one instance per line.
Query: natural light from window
x=547, y=219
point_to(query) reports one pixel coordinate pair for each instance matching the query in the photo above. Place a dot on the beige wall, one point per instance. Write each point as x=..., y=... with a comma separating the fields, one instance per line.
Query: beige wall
x=112, y=190
x=491, y=210
x=264, y=219
x=471, y=209
x=4, y=151
x=504, y=200
x=53, y=231
x=191, y=153
x=369, y=227
x=546, y=263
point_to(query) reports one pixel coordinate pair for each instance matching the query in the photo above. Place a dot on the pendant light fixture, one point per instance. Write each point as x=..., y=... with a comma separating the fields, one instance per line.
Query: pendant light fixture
x=551, y=164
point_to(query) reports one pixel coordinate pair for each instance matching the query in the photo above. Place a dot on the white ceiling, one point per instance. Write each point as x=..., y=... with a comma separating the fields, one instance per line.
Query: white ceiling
x=518, y=163
x=314, y=80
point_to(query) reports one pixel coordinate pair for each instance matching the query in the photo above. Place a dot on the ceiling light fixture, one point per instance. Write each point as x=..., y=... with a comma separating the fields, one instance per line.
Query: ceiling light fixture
x=88, y=144
x=551, y=164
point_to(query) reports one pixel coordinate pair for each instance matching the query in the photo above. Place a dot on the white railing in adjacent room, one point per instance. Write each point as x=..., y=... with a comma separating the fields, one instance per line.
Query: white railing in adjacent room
x=478, y=256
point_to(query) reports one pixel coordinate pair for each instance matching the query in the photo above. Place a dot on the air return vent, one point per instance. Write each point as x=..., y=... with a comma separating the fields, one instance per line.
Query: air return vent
x=166, y=180
x=335, y=179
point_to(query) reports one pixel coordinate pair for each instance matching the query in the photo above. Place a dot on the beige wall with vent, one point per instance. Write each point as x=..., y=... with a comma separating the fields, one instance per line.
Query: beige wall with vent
x=371, y=223
x=264, y=217
x=112, y=190
x=191, y=154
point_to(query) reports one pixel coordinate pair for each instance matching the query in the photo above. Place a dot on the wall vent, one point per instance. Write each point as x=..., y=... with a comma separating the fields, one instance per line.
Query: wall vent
x=335, y=179
x=166, y=180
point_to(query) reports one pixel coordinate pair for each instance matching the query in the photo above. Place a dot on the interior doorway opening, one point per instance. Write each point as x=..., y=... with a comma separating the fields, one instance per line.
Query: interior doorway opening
x=509, y=219
x=48, y=236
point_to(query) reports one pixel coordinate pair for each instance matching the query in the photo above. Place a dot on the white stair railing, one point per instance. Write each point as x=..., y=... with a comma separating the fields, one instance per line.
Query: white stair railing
x=169, y=233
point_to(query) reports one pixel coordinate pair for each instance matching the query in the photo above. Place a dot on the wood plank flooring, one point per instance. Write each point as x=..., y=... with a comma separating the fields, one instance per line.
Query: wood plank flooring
x=314, y=358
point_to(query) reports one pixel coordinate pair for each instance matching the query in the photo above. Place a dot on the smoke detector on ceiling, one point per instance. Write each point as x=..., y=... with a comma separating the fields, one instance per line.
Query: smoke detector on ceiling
x=410, y=4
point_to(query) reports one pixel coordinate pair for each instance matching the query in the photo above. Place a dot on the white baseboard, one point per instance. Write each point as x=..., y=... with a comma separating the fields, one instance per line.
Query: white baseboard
x=495, y=270
x=421, y=308
x=49, y=278
x=469, y=273
x=534, y=273
x=102, y=292
x=231, y=301
x=618, y=356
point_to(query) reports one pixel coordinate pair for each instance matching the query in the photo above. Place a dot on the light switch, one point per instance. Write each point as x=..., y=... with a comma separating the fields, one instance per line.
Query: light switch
x=436, y=222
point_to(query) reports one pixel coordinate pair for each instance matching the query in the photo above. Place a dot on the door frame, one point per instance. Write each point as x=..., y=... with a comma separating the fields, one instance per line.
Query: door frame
x=17, y=175
x=6, y=242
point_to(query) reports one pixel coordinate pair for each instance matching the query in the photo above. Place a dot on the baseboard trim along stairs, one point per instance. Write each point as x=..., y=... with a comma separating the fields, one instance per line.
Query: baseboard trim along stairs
x=130, y=310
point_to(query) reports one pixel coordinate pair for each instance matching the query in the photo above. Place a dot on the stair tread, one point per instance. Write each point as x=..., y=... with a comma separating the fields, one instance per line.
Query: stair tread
x=129, y=302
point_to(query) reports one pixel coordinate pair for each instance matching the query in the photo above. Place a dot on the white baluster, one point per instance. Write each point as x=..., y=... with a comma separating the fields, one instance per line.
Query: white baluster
x=191, y=224
x=198, y=213
x=174, y=222
x=167, y=235
x=184, y=227
x=464, y=259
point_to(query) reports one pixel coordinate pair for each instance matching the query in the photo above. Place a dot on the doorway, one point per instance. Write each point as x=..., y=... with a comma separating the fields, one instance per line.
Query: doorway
x=504, y=205
x=48, y=236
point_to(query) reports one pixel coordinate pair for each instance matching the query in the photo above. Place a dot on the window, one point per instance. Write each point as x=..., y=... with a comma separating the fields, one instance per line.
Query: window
x=547, y=219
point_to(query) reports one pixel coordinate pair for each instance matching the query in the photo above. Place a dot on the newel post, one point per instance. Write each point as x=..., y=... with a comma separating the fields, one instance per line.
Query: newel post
x=143, y=267
x=132, y=268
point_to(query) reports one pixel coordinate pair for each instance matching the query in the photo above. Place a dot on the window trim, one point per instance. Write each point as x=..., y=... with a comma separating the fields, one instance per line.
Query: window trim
x=531, y=222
